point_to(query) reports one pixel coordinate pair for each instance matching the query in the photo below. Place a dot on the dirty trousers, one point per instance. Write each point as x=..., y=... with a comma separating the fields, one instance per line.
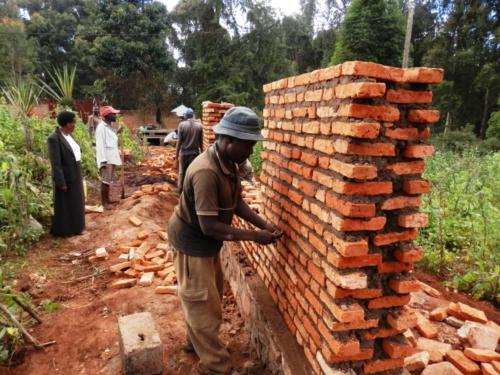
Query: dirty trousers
x=200, y=283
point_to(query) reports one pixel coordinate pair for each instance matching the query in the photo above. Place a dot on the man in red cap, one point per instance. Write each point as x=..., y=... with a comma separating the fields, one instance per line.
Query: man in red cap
x=107, y=151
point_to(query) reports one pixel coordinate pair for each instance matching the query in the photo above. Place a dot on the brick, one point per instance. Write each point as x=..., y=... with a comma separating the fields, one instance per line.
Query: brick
x=363, y=188
x=364, y=149
x=416, y=186
x=120, y=266
x=402, y=134
x=324, y=145
x=436, y=349
x=330, y=72
x=322, y=178
x=389, y=301
x=341, y=262
x=353, y=280
x=482, y=355
x=381, y=113
x=418, y=151
x=345, y=313
x=464, y=364
x=417, y=220
x=467, y=312
x=426, y=328
x=404, y=286
x=328, y=93
x=417, y=361
x=422, y=75
x=358, y=90
x=412, y=167
x=135, y=221
x=373, y=70
x=394, y=267
x=423, y=116
x=439, y=314
x=392, y=237
x=409, y=255
x=496, y=365
x=332, y=358
x=403, y=319
x=142, y=235
x=314, y=96
x=316, y=273
x=310, y=127
x=488, y=369
x=345, y=247
x=396, y=203
x=397, y=348
x=146, y=279
x=479, y=336
x=350, y=225
x=369, y=130
x=408, y=96
x=357, y=171
x=381, y=365
x=378, y=333
x=348, y=208
x=347, y=346
x=123, y=283
x=362, y=324
x=101, y=252
x=443, y=368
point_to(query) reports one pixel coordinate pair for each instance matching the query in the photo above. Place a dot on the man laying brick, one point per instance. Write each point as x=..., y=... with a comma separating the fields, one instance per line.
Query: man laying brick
x=200, y=224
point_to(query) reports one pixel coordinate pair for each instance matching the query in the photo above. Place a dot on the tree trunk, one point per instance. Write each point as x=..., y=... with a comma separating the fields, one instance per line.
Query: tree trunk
x=484, y=123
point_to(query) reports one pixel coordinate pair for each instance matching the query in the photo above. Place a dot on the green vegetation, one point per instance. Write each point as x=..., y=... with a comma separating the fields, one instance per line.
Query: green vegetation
x=462, y=241
x=372, y=30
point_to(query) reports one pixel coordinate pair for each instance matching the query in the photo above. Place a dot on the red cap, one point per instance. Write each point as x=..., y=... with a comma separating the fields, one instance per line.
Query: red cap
x=106, y=110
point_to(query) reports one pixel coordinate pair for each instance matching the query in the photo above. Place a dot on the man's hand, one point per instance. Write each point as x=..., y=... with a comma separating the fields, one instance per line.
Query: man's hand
x=277, y=232
x=264, y=237
x=176, y=163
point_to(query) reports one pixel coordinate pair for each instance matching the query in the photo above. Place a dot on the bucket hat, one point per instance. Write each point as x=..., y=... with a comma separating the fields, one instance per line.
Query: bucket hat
x=241, y=123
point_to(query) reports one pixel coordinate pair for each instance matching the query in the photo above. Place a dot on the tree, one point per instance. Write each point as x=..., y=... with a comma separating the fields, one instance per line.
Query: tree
x=372, y=30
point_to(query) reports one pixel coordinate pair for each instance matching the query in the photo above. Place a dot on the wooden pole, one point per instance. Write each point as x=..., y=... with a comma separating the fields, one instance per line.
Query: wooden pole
x=409, y=27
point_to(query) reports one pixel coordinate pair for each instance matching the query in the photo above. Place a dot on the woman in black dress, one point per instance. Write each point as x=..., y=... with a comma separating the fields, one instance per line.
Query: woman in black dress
x=65, y=156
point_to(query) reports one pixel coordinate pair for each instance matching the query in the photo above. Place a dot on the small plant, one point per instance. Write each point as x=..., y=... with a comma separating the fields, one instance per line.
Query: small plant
x=64, y=81
x=48, y=306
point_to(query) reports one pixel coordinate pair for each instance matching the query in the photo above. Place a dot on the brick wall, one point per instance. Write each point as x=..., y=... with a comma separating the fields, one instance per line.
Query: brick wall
x=343, y=157
x=211, y=115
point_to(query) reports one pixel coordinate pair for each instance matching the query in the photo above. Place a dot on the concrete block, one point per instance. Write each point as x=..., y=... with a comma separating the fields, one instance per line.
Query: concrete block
x=141, y=349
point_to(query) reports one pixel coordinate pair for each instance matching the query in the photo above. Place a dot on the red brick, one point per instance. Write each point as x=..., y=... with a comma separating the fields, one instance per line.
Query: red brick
x=330, y=72
x=337, y=292
x=353, y=262
x=392, y=237
x=348, y=208
x=416, y=186
x=368, y=130
x=360, y=90
x=350, y=225
x=328, y=93
x=396, y=203
x=324, y=162
x=404, y=286
x=482, y=355
x=488, y=369
x=496, y=365
x=389, y=301
x=357, y=171
x=368, y=69
x=418, y=151
x=378, y=333
x=394, y=267
x=408, y=96
x=347, y=248
x=314, y=96
x=347, y=313
x=307, y=188
x=402, y=134
x=317, y=243
x=314, y=301
x=363, y=355
x=349, y=346
x=402, y=320
x=324, y=145
x=412, y=167
x=417, y=220
x=380, y=365
x=364, y=149
x=409, y=255
x=382, y=113
x=316, y=273
x=425, y=327
x=352, y=280
x=464, y=364
x=299, y=112
x=422, y=75
x=466, y=312
x=363, y=188
x=397, y=349
x=439, y=313
x=310, y=127
x=423, y=115
x=322, y=178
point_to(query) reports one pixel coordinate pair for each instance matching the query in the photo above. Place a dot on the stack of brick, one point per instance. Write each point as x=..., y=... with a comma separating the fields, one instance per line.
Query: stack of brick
x=212, y=113
x=343, y=159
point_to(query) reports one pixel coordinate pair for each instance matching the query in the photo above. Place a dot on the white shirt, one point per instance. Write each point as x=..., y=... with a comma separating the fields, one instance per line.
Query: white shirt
x=172, y=136
x=106, y=145
x=74, y=146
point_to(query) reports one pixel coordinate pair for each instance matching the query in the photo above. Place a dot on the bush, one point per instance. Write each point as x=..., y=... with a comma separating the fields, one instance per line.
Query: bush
x=462, y=240
x=256, y=158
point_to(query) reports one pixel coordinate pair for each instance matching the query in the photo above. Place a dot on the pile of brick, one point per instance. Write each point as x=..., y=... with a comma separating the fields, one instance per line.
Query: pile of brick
x=160, y=161
x=212, y=113
x=343, y=159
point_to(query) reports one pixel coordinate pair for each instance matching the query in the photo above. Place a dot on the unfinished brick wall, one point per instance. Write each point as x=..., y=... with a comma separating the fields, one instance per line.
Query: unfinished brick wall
x=212, y=113
x=343, y=158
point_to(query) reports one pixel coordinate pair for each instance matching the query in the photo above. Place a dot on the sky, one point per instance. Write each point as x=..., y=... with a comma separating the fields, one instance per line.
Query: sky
x=286, y=7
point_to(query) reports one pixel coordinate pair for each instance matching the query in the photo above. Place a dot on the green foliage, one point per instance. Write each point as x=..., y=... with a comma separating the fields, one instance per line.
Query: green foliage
x=462, y=239
x=256, y=158
x=372, y=30
x=49, y=306
x=64, y=81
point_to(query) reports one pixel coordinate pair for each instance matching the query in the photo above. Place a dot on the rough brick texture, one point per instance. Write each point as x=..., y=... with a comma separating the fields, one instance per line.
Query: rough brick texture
x=342, y=176
x=211, y=115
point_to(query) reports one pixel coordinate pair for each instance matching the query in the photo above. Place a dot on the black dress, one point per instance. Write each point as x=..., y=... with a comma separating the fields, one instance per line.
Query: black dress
x=69, y=206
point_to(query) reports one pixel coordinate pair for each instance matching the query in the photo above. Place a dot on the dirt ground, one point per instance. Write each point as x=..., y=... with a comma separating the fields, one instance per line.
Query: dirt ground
x=85, y=326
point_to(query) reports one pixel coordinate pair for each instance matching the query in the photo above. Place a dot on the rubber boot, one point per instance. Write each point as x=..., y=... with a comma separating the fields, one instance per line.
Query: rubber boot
x=106, y=202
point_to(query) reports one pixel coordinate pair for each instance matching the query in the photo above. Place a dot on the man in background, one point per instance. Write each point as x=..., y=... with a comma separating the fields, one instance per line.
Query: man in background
x=93, y=120
x=189, y=144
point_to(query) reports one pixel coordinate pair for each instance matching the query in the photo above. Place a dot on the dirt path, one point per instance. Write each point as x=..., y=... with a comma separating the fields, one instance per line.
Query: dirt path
x=85, y=326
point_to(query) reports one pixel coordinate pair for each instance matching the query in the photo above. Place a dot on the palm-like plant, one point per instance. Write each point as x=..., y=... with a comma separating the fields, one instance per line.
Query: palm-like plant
x=64, y=81
x=23, y=96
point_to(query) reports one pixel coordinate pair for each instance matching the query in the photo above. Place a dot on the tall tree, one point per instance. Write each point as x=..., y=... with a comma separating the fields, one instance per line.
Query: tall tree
x=372, y=30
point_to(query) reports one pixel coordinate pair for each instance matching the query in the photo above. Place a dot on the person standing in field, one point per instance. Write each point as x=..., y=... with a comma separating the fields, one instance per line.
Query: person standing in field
x=200, y=224
x=189, y=144
x=107, y=151
x=65, y=157
x=93, y=120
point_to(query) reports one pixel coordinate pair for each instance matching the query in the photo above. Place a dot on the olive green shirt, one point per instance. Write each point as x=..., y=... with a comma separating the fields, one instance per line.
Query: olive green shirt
x=210, y=189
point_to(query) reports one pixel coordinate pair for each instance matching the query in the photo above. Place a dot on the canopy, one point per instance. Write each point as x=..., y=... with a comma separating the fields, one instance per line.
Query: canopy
x=180, y=110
